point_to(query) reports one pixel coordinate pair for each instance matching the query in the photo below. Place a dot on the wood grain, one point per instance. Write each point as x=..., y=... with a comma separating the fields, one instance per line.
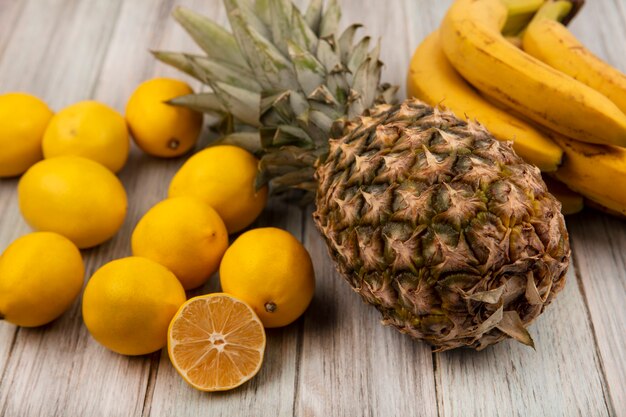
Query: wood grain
x=600, y=245
x=337, y=360
x=59, y=369
x=599, y=240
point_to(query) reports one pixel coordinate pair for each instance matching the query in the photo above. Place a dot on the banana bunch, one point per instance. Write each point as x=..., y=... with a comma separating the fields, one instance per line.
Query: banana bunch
x=513, y=66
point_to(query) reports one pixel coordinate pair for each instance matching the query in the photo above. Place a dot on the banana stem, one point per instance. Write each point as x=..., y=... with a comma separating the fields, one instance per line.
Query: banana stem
x=554, y=10
x=523, y=12
x=576, y=6
x=519, y=14
x=522, y=7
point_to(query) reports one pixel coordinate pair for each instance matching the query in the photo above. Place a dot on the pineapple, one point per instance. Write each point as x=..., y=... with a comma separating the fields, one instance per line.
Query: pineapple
x=445, y=230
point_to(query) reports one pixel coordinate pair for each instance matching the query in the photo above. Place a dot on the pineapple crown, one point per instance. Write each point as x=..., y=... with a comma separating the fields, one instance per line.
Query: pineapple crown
x=282, y=83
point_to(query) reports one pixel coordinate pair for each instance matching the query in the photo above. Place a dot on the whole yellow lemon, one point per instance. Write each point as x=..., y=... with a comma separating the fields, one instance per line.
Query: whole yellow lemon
x=185, y=235
x=23, y=120
x=128, y=305
x=41, y=275
x=75, y=197
x=223, y=177
x=89, y=129
x=269, y=269
x=158, y=128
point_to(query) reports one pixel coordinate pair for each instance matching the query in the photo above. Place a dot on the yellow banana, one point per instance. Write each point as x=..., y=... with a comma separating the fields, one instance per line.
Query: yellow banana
x=598, y=172
x=571, y=202
x=432, y=79
x=471, y=39
x=549, y=41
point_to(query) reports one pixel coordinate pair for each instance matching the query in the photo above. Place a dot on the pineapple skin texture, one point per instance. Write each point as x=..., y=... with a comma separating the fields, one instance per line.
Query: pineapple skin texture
x=444, y=229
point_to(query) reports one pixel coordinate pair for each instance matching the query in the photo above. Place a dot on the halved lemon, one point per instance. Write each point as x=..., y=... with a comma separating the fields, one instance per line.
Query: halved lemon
x=216, y=342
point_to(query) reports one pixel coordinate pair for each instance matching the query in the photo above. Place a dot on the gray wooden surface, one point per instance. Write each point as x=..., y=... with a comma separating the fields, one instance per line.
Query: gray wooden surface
x=337, y=360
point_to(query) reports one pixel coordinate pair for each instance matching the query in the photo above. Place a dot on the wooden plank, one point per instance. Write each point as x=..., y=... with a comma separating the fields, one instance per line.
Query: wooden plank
x=10, y=12
x=59, y=369
x=561, y=378
x=25, y=44
x=600, y=246
x=599, y=239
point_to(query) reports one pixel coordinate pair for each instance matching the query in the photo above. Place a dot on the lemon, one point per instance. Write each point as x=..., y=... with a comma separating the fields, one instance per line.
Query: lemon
x=269, y=269
x=75, y=197
x=223, y=177
x=128, y=305
x=185, y=235
x=23, y=120
x=41, y=275
x=89, y=129
x=158, y=128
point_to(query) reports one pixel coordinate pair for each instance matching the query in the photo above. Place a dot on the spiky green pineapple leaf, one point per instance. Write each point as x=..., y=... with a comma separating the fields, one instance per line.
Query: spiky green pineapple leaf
x=301, y=33
x=202, y=102
x=321, y=120
x=330, y=19
x=278, y=106
x=358, y=54
x=388, y=94
x=297, y=179
x=271, y=68
x=287, y=135
x=365, y=75
x=177, y=60
x=327, y=55
x=323, y=95
x=213, y=39
x=250, y=141
x=262, y=10
x=346, y=40
x=243, y=9
x=226, y=74
x=318, y=136
x=375, y=53
x=313, y=14
x=309, y=71
x=298, y=102
x=326, y=109
x=280, y=25
x=242, y=104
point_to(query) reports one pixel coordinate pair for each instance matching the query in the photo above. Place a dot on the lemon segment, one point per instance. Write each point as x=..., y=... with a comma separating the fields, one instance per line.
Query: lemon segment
x=216, y=342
